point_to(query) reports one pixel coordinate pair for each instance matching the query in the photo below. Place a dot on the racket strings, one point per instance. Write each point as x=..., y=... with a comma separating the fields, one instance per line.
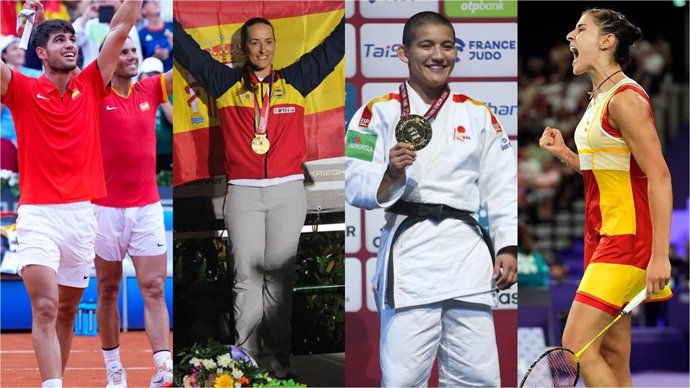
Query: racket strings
x=557, y=368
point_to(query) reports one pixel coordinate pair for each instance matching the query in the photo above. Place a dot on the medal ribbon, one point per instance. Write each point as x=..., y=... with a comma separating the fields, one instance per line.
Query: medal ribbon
x=261, y=118
x=433, y=109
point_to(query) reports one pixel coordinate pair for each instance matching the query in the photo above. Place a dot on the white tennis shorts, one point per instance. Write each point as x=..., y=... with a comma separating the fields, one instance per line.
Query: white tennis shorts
x=137, y=231
x=60, y=237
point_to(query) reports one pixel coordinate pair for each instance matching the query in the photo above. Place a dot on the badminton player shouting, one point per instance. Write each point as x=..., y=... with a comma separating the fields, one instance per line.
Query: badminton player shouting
x=60, y=163
x=628, y=196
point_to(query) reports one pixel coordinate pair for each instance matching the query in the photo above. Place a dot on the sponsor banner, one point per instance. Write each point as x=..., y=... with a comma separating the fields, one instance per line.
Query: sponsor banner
x=350, y=51
x=484, y=50
x=209, y=187
x=373, y=223
x=353, y=229
x=349, y=9
x=374, y=90
x=480, y=8
x=325, y=184
x=500, y=97
x=353, y=286
x=388, y=9
x=508, y=299
x=377, y=50
x=370, y=271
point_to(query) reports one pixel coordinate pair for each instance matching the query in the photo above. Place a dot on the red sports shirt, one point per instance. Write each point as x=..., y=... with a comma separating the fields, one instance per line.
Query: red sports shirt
x=59, y=149
x=128, y=135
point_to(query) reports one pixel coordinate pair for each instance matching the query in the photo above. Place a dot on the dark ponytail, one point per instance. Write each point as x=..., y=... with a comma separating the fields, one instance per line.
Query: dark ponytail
x=612, y=22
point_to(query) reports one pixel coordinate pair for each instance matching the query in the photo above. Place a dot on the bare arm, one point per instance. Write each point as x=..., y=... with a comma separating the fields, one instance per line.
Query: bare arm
x=6, y=77
x=552, y=141
x=168, y=77
x=167, y=106
x=631, y=114
x=167, y=111
x=122, y=23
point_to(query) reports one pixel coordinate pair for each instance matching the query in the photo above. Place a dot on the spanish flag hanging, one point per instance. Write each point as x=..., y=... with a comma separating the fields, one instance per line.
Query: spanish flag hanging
x=299, y=26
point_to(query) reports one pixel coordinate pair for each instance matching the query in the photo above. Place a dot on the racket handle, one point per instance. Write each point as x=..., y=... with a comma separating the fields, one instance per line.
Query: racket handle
x=635, y=301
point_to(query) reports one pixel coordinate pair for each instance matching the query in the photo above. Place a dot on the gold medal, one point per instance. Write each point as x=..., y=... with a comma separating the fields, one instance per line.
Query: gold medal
x=414, y=130
x=260, y=144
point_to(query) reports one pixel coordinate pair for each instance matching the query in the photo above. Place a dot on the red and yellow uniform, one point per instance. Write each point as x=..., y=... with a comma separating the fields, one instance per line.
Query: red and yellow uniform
x=618, y=228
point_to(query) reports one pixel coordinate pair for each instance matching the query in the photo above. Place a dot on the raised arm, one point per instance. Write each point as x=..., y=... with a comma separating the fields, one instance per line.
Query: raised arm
x=632, y=115
x=552, y=141
x=213, y=76
x=311, y=69
x=122, y=23
x=38, y=7
x=6, y=77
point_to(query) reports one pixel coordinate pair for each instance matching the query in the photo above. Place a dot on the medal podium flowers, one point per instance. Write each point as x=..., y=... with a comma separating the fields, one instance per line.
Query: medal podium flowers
x=216, y=365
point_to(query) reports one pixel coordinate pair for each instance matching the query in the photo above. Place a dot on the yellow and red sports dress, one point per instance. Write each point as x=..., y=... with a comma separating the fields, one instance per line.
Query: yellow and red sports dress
x=618, y=225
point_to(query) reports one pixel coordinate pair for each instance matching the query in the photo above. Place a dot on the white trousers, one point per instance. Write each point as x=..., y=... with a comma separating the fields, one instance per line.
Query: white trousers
x=461, y=335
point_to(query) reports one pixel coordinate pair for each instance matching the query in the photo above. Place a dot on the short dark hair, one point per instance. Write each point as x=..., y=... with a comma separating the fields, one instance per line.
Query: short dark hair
x=41, y=33
x=613, y=22
x=426, y=17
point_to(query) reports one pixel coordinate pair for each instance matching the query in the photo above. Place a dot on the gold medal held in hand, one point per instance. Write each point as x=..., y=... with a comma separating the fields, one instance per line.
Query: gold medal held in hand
x=260, y=144
x=414, y=130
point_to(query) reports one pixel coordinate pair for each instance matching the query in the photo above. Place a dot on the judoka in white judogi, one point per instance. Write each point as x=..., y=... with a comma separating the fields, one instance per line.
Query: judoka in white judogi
x=442, y=274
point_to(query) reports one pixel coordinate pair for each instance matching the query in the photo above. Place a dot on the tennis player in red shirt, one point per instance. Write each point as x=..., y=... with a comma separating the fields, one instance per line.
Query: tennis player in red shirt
x=130, y=218
x=56, y=119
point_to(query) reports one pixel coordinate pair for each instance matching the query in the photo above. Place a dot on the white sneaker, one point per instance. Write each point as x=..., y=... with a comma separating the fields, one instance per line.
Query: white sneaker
x=163, y=376
x=116, y=376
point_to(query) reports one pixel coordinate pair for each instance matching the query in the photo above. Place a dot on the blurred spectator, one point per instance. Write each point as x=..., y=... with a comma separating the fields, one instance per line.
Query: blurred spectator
x=532, y=269
x=156, y=36
x=164, y=117
x=91, y=31
x=651, y=67
x=679, y=269
x=14, y=57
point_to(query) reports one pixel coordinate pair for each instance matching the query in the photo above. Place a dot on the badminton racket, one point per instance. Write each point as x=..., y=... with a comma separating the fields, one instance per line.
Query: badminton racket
x=560, y=367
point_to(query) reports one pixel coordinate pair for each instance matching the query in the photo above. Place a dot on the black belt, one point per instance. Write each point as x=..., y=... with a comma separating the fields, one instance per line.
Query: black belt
x=418, y=212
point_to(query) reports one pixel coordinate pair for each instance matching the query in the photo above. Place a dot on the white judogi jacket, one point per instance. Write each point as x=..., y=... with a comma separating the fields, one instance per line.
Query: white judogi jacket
x=468, y=162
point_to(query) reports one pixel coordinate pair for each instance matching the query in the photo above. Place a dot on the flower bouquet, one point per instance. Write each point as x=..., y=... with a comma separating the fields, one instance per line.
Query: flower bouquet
x=216, y=365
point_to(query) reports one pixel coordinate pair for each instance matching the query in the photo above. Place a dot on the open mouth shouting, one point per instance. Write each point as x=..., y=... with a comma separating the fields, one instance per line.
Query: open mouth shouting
x=575, y=52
